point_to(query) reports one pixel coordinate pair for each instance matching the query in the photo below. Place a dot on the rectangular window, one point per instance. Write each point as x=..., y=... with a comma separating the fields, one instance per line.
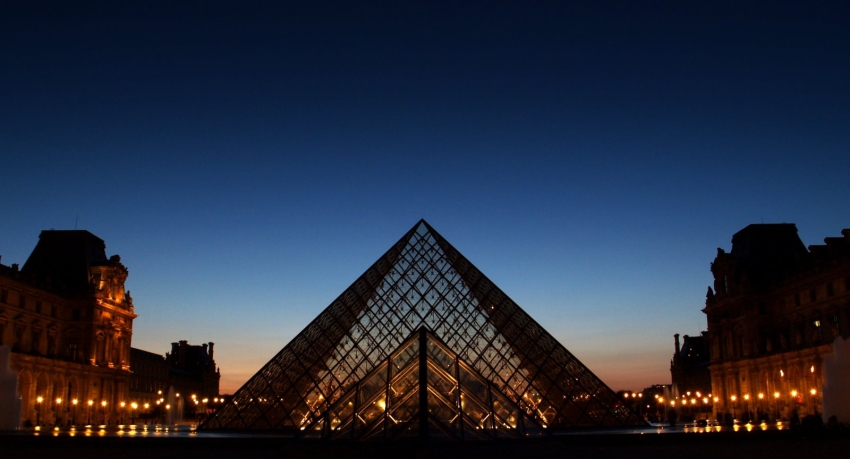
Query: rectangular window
x=72, y=349
x=35, y=345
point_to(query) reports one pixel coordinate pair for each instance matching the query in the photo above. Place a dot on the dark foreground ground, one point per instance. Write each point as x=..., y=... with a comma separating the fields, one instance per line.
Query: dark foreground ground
x=751, y=445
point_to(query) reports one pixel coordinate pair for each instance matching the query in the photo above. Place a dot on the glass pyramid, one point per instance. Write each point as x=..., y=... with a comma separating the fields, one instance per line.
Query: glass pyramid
x=422, y=344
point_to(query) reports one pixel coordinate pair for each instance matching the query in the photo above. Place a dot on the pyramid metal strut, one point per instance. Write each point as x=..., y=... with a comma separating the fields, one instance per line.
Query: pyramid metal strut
x=422, y=344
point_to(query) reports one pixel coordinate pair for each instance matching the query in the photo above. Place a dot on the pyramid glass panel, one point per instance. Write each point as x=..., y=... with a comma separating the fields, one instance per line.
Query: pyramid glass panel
x=486, y=370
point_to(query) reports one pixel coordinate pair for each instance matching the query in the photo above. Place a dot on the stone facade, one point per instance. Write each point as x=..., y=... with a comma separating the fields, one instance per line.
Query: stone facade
x=773, y=313
x=69, y=322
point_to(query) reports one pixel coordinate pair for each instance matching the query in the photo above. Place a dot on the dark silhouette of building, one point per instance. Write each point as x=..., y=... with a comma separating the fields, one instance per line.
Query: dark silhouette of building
x=773, y=313
x=189, y=370
x=689, y=366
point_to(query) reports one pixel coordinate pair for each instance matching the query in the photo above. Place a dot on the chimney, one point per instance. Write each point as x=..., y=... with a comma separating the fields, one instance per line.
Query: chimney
x=211, y=351
x=678, y=348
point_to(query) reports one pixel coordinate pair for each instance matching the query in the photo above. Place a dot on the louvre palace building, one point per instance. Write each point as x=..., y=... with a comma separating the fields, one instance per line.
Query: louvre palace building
x=69, y=324
x=774, y=311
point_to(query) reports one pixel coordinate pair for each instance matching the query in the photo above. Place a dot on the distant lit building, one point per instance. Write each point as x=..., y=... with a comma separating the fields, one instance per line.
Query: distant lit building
x=773, y=314
x=188, y=370
x=689, y=366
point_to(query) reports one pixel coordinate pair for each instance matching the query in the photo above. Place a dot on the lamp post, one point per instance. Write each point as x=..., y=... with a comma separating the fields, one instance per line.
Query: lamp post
x=74, y=411
x=761, y=400
x=58, y=408
x=123, y=408
x=38, y=401
x=147, y=412
x=88, y=412
x=102, y=412
x=133, y=407
x=734, y=412
x=814, y=393
x=776, y=403
x=747, y=399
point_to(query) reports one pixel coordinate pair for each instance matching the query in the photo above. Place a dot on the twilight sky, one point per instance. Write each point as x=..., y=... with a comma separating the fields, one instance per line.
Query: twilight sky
x=249, y=163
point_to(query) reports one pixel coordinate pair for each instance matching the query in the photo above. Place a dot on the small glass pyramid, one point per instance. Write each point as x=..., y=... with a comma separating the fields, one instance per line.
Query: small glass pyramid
x=359, y=371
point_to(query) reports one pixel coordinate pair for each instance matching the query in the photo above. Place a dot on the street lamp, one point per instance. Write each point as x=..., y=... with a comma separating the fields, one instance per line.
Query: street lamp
x=747, y=399
x=776, y=403
x=74, y=412
x=58, y=408
x=734, y=412
x=88, y=412
x=814, y=393
x=38, y=401
x=133, y=407
x=103, y=412
x=123, y=408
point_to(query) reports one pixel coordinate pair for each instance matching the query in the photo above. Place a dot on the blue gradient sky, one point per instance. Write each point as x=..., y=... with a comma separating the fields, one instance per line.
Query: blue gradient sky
x=249, y=163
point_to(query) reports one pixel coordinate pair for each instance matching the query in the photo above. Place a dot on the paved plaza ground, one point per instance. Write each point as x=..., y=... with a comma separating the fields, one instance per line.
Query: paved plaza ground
x=748, y=445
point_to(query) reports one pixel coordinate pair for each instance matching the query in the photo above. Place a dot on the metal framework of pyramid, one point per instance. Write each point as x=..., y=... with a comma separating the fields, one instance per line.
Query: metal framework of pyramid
x=424, y=345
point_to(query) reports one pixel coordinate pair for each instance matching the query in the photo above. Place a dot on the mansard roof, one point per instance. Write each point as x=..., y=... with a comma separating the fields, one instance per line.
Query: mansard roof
x=62, y=258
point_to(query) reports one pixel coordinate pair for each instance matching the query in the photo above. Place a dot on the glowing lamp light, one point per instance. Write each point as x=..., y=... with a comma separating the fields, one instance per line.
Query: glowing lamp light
x=814, y=391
